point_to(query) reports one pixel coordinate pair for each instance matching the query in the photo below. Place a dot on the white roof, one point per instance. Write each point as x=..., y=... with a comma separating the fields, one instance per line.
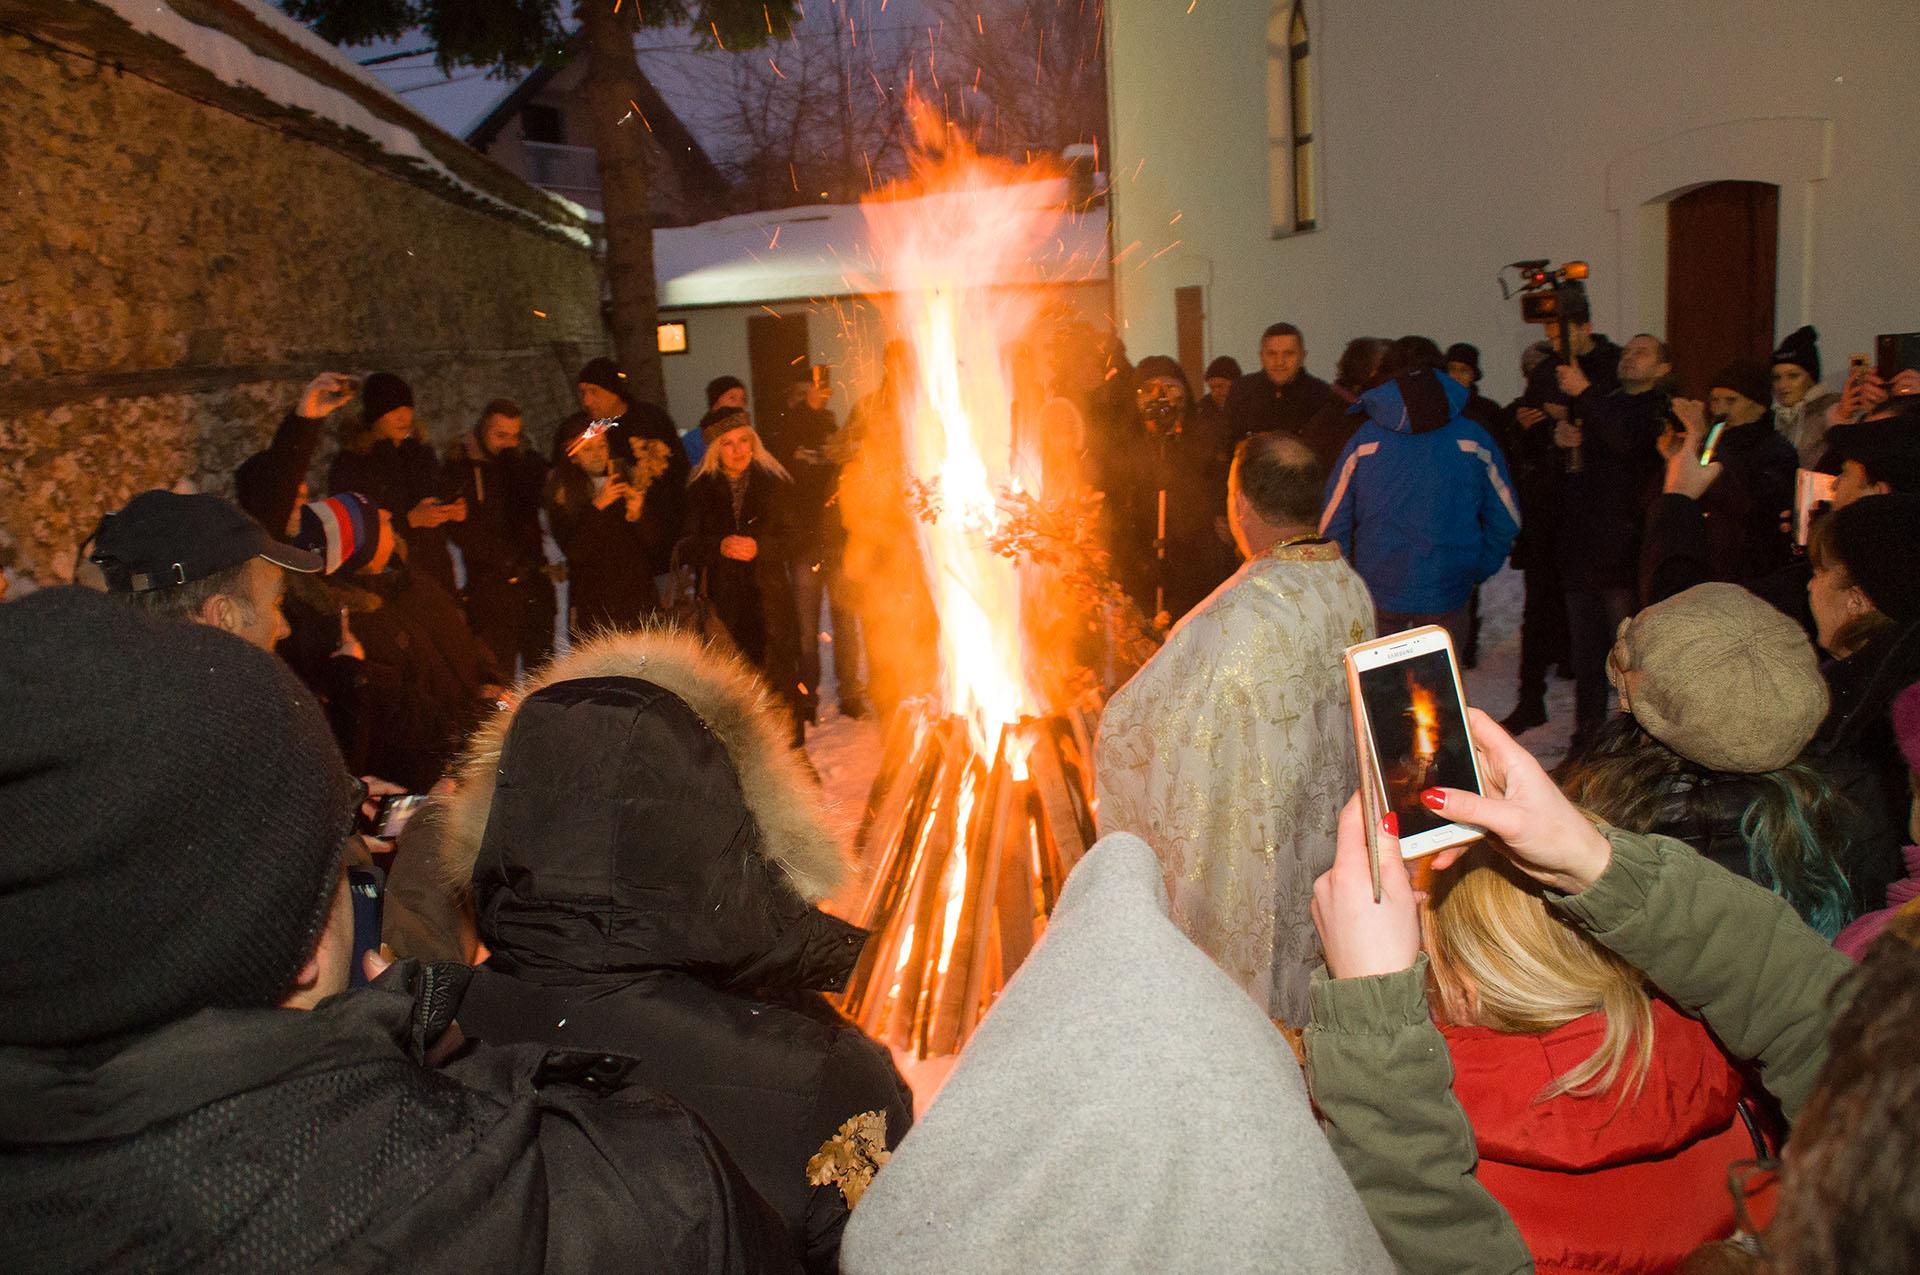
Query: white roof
x=824, y=251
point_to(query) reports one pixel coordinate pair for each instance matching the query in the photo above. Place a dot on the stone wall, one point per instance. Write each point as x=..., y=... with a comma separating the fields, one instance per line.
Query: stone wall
x=178, y=262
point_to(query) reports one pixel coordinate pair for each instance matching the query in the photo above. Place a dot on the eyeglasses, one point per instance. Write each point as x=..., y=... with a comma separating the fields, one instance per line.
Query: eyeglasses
x=1745, y=1179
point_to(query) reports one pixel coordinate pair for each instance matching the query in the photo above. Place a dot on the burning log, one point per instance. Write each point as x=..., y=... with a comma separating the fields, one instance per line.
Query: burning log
x=969, y=855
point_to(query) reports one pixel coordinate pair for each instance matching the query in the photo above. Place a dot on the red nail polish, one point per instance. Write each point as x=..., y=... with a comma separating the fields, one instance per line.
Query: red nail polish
x=1433, y=799
x=1390, y=824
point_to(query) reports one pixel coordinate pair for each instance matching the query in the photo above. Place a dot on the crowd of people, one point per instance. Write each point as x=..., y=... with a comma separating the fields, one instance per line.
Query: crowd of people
x=574, y=1012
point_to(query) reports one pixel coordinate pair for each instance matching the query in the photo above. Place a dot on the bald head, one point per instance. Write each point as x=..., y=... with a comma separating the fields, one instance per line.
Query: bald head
x=1273, y=491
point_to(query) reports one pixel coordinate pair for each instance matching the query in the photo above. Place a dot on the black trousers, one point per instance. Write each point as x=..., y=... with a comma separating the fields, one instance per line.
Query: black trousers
x=1543, y=630
x=514, y=617
x=1593, y=618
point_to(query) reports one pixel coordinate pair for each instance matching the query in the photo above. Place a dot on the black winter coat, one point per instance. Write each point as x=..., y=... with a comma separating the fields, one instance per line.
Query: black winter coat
x=666, y=509
x=1604, y=502
x=753, y=599
x=501, y=537
x=416, y=694
x=1743, y=507
x=396, y=477
x=1255, y=404
x=276, y=1140
x=630, y=901
x=1857, y=742
x=817, y=533
x=267, y=483
x=609, y=560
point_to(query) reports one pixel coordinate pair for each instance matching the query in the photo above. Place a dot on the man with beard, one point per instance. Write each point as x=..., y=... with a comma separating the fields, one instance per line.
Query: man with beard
x=509, y=597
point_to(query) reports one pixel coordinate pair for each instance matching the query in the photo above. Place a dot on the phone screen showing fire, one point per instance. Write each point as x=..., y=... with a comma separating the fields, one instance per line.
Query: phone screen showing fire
x=1419, y=734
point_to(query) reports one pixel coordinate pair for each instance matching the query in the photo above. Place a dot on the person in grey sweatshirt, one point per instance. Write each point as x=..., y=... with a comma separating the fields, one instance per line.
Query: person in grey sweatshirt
x=1124, y=1107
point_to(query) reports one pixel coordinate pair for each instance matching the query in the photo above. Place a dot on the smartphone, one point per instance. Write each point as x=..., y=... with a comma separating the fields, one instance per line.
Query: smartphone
x=392, y=814
x=367, y=888
x=1410, y=711
x=1712, y=444
x=1812, y=491
x=1895, y=352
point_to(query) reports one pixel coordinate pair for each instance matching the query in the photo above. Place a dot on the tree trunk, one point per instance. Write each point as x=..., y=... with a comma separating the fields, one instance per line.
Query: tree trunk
x=612, y=82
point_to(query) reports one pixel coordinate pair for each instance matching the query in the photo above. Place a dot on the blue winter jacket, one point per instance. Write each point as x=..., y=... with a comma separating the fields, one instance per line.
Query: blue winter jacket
x=1420, y=501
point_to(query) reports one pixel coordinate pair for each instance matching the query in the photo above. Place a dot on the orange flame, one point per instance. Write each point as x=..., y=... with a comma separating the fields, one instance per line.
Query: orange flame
x=970, y=220
x=1426, y=724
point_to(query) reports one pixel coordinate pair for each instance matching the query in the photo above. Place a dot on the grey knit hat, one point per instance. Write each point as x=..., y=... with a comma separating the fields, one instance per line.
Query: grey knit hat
x=173, y=808
x=1727, y=681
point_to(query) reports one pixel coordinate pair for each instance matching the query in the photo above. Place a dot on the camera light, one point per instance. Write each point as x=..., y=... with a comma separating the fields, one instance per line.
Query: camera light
x=1574, y=270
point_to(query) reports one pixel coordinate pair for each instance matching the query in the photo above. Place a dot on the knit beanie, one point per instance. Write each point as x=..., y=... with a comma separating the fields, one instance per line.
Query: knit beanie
x=1877, y=540
x=605, y=373
x=1464, y=352
x=345, y=529
x=721, y=420
x=1160, y=365
x=1802, y=349
x=1727, y=681
x=1225, y=365
x=174, y=810
x=1748, y=377
x=720, y=385
x=1888, y=448
x=381, y=393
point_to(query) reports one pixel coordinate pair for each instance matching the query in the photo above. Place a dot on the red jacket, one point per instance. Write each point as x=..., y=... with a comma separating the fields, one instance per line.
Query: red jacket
x=1589, y=1188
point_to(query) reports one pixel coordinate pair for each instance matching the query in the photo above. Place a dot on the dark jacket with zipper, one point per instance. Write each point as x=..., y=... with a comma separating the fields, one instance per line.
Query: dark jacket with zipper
x=636, y=877
x=281, y=1140
x=1604, y=502
x=396, y=477
x=753, y=599
x=609, y=559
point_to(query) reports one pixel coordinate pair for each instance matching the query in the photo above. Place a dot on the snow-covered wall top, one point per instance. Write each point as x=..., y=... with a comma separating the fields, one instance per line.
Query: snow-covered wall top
x=394, y=127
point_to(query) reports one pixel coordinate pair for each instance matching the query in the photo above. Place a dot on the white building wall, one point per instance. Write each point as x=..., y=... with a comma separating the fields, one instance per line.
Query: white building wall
x=1456, y=137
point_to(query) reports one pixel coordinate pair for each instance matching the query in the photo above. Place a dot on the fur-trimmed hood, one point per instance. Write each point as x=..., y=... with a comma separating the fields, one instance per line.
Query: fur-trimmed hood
x=641, y=807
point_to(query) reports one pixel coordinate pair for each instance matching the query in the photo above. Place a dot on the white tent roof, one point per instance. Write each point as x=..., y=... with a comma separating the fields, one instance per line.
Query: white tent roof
x=824, y=251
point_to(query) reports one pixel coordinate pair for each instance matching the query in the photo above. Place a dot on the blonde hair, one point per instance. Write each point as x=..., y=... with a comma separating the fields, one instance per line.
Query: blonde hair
x=1494, y=946
x=710, y=459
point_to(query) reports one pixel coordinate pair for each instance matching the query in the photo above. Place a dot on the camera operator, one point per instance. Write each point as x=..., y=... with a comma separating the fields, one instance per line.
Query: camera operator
x=1176, y=457
x=1603, y=505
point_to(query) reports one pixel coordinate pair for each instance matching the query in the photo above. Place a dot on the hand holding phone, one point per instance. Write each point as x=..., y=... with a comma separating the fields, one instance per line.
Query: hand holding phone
x=1530, y=819
x=1409, y=713
x=1365, y=932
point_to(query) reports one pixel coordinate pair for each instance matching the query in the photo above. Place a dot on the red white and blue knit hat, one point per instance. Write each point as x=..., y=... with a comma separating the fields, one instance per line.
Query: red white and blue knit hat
x=345, y=528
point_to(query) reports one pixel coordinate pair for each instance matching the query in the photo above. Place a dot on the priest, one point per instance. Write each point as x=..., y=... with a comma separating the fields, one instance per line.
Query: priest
x=1231, y=751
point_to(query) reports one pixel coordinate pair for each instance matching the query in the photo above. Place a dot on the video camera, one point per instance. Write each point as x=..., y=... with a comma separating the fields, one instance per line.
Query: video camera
x=1549, y=294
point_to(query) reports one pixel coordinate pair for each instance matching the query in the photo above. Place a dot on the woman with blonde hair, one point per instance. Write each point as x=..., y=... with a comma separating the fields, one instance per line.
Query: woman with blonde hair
x=738, y=536
x=1605, y=1119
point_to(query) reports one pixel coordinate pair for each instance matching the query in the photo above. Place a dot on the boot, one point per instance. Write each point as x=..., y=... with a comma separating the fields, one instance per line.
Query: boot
x=1527, y=714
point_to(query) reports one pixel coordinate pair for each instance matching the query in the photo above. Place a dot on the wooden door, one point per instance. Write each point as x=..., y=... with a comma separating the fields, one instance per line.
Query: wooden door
x=776, y=357
x=1190, y=331
x=1722, y=243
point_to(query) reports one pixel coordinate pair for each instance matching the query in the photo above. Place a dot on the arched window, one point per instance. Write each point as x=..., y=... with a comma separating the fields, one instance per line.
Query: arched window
x=1292, y=191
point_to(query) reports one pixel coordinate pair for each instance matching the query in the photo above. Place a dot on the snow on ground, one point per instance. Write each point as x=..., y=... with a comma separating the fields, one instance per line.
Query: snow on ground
x=1495, y=685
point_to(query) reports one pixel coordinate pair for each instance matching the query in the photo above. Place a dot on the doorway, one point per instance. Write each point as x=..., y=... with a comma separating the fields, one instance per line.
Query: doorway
x=776, y=358
x=1722, y=246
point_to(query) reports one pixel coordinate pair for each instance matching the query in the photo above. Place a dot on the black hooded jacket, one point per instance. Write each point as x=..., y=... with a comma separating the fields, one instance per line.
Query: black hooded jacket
x=644, y=861
x=276, y=1140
